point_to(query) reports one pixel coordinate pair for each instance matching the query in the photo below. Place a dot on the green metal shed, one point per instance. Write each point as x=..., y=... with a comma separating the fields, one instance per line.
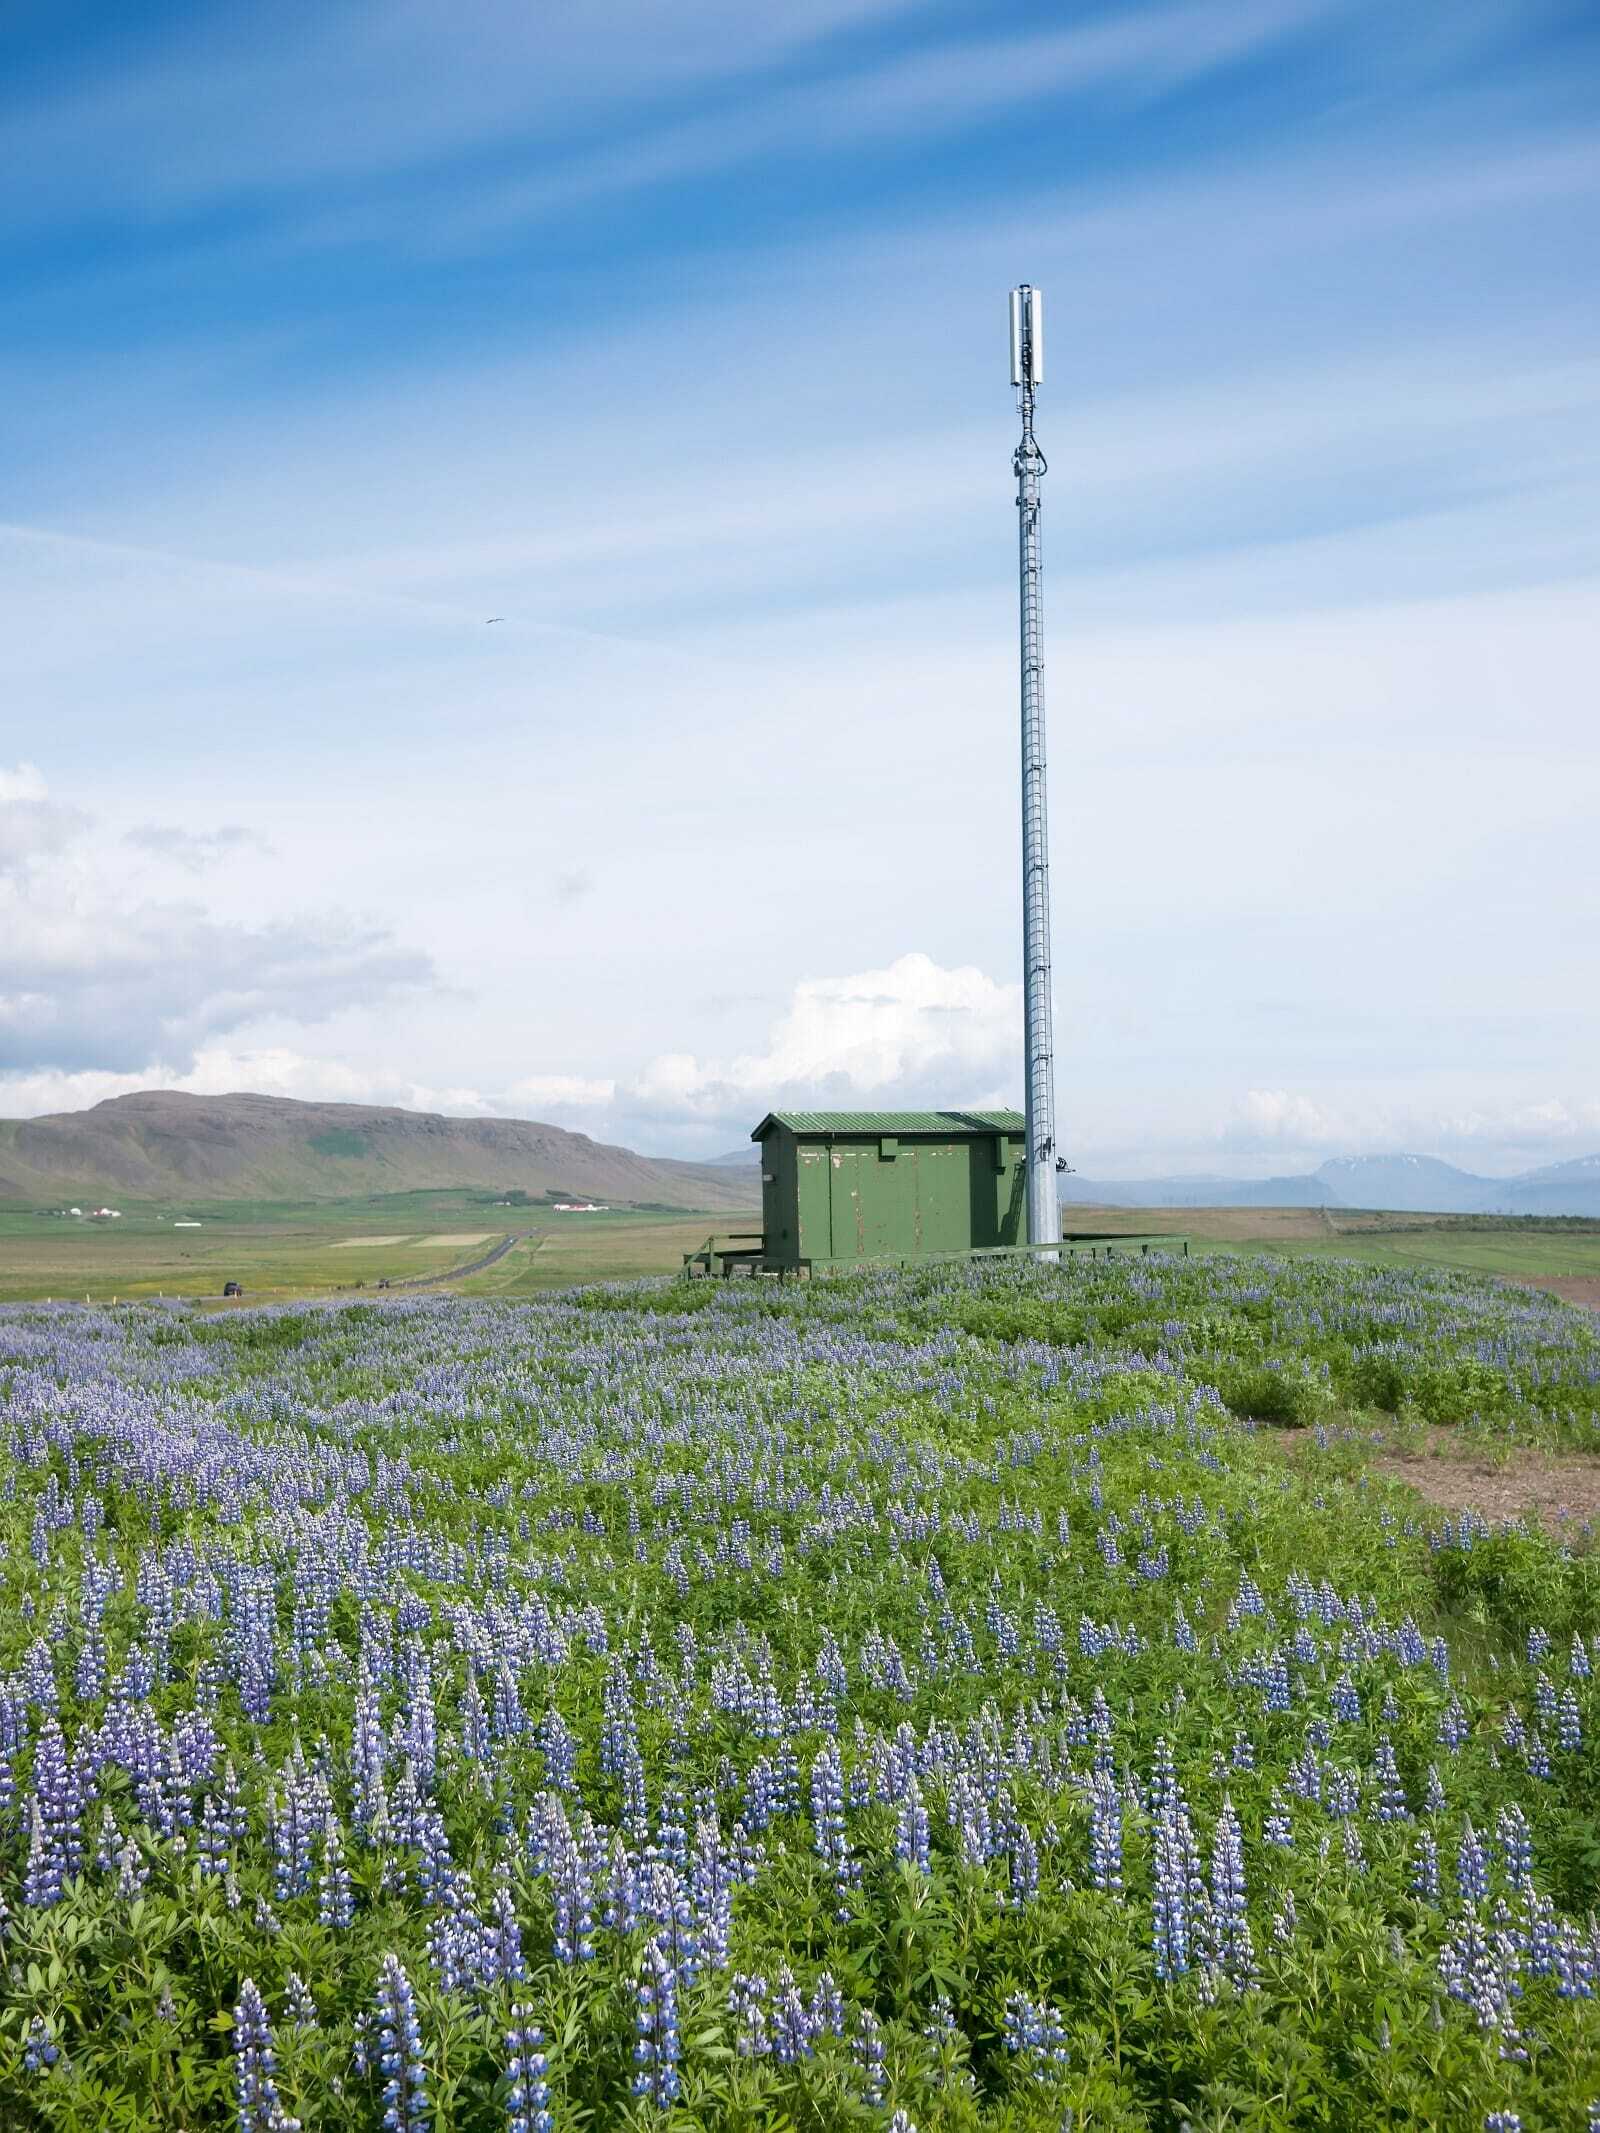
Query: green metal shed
x=888, y=1184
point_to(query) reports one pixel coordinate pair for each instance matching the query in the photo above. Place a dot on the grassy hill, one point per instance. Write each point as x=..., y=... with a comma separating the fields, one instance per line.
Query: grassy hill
x=163, y=1146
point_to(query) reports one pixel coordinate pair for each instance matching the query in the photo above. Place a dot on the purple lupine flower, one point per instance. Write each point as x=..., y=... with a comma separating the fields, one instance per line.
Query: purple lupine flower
x=40, y=2050
x=794, y=2032
x=911, y=1840
x=405, y=2080
x=132, y=1872
x=1569, y=1723
x=1390, y=1804
x=1278, y=1828
x=335, y=1898
x=1037, y=2035
x=255, y=2083
x=1232, y=1950
x=1478, y=1968
x=572, y=1885
x=504, y=1961
x=527, y=2072
x=867, y=2050
x=42, y=1877
x=368, y=1754
x=713, y=1876
x=747, y=2003
x=1174, y=1870
x=1425, y=1867
x=830, y=1838
x=1515, y=1840
x=1346, y=1703
x=658, y=2046
x=1105, y=1831
x=302, y=2007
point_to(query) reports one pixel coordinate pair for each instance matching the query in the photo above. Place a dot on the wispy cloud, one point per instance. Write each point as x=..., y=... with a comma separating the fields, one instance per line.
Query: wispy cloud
x=194, y=850
x=1139, y=53
x=321, y=95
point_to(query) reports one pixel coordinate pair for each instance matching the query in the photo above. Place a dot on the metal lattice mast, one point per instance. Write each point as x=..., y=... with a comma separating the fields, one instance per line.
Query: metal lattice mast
x=1028, y=463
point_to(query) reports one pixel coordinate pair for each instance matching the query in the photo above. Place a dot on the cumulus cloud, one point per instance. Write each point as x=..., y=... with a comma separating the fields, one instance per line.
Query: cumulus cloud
x=92, y=978
x=911, y=1033
x=194, y=850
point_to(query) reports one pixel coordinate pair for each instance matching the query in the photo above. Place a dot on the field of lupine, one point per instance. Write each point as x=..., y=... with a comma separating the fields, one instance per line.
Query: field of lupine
x=921, y=1701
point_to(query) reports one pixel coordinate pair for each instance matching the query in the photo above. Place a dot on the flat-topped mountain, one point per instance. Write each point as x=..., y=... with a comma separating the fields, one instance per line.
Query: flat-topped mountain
x=162, y=1145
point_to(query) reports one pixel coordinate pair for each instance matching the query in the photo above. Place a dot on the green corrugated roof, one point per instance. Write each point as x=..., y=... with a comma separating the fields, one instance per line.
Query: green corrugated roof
x=944, y=1123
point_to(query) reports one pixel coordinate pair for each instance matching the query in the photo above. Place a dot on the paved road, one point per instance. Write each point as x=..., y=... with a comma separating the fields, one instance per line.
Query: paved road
x=473, y=1266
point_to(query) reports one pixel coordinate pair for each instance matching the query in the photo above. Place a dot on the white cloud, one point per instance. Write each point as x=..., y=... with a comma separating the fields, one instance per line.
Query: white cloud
x=1273, y=1115
x=911, y=1033
x=193, y=850
x=562, y=1092
x=32, y=825
x=95, y=975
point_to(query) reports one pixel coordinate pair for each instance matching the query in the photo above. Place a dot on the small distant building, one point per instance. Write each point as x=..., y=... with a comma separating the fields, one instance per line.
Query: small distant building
x=577, y=1207
x=104, y=1214
x=839, y=1185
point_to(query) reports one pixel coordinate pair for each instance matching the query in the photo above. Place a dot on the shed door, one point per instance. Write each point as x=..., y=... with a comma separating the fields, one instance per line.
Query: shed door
x=944, y=1197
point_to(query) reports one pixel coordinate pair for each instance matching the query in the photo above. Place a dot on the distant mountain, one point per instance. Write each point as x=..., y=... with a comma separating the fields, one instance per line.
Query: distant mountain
x=1406, y=1184
x=737, y=1159
x=1559, y=1189
x=161, y=1145
x=1196, y=1192
x=1399, y=1184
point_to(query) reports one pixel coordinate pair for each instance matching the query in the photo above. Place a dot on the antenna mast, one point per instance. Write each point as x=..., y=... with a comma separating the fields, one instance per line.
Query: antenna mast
x=1028, y=463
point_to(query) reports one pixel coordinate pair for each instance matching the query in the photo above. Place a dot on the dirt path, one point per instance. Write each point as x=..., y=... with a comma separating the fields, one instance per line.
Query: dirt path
x=1580, y=1289
x=1561, y=1489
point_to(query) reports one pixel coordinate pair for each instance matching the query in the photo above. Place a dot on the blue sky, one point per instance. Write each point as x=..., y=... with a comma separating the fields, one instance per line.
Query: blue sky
x=674, y=337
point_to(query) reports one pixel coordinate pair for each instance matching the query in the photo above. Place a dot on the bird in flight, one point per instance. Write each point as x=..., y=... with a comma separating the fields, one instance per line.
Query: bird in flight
x=492, y=618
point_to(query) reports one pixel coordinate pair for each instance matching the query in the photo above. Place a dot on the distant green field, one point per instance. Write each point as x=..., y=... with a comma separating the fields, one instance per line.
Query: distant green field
x=1489, y=1252
x=1525, y=1246
x=279, y=1250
